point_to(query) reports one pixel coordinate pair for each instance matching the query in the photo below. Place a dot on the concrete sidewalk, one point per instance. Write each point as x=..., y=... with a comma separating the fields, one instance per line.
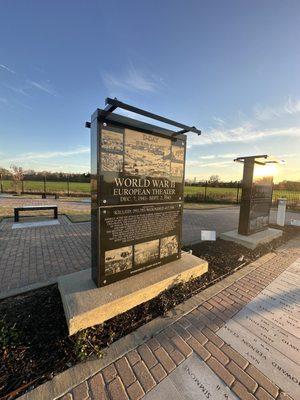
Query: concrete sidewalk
x=238, y=339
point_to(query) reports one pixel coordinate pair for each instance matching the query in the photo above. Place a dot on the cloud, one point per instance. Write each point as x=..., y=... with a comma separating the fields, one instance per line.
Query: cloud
x=266, y=113
x=198, y=163
x=48, y=155
x=44, y=87
x=6, y=68
x=132, y=80
x=247, y=132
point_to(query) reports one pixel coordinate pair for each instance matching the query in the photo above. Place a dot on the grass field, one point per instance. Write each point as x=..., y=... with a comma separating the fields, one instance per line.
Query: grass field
x=212, y=193
x=56, y=187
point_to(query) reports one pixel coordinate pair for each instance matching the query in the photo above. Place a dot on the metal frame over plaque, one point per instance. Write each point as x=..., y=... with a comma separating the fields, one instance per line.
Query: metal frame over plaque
x=256, y=198
x=137, y=183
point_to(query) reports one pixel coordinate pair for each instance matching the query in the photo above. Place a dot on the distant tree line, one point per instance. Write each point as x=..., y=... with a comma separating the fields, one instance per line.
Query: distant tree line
x=31, y=175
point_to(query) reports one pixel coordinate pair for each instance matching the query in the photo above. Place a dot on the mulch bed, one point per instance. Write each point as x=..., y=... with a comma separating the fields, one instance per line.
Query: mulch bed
x=34, y=341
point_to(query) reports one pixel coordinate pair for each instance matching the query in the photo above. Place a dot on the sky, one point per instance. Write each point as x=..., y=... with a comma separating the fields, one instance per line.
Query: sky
x=231, y=68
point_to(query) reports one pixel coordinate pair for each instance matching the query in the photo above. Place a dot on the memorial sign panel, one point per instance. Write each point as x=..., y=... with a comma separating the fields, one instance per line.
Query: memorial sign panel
x=137, y=196
x=256, y=198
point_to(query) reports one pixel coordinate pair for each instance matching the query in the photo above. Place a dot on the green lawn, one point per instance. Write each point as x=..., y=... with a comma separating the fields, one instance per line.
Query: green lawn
x=38, y=186
x=212, y=193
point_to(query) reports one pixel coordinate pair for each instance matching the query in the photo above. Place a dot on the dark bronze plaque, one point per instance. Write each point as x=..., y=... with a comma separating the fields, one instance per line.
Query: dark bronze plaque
x=137, y=197
x=256, y=199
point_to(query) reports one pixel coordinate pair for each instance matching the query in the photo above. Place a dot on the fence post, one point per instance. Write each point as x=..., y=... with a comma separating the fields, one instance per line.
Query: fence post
x=237, y=193
x=22, y=186
x=205, y=191
x=68, y=186
x=1, y=184
x=45, y=187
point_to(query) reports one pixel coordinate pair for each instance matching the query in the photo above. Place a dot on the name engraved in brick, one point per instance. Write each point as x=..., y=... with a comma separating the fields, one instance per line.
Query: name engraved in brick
x=192, y=380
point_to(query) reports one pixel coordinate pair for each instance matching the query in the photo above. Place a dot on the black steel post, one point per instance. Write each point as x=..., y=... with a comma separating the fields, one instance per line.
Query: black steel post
x=68, y=186
x=237, y=193
x=205, y=191
x=45, y=187
x=22, y=186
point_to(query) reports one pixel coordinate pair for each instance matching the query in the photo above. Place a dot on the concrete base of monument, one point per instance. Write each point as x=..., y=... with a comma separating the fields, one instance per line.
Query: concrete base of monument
x=252, y=241
x=86, y=305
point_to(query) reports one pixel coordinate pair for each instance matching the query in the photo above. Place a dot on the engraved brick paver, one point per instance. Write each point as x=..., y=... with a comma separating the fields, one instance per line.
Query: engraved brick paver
x=147, y=356
x=133, y=357
x=239, y=389
x=135, y=391
x=165, y=359
x=116, y=390
x=221, y=371
x=262, y=380
x=261, y=394
x=144, y=376
x=244, y=378
x=158, y=372
x=97, y=387
x=81, y=392
x=109, y=373
x=125, y=371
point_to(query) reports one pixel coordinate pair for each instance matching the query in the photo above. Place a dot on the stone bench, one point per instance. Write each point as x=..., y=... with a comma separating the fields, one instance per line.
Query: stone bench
x=34, y=208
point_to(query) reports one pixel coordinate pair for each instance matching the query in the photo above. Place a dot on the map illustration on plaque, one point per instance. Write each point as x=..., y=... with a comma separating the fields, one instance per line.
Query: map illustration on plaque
x=168, y=246
x=147, y=155
x=147, y=252
x=111, y=162
x=118, y=260
x=111, y=140
x=176, y=169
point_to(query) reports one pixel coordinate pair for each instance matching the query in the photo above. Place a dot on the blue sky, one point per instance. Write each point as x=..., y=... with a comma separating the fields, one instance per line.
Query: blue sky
x=230, y=68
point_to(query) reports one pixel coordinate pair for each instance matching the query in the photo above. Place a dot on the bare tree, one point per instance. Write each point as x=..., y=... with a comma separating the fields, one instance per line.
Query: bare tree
x=17, y=175
x=214, y=180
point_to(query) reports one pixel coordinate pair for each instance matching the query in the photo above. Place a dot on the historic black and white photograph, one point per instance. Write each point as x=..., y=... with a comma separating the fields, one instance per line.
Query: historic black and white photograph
x=147, y=155
x=145, y=253
x=111, y=162
x=178, y=154
x=111, y=140
x=118, y=260
x=168, y=246
x=177, y=169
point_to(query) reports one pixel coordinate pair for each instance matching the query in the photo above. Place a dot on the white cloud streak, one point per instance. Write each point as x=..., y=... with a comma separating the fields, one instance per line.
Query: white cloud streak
x=6, y=68
x=132, y=80
x=247, y=132
x=267, y=113
x=48, y=155
x=42, y=86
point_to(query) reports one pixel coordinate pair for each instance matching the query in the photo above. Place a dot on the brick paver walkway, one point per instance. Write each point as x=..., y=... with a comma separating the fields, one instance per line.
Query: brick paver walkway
x=143, y=368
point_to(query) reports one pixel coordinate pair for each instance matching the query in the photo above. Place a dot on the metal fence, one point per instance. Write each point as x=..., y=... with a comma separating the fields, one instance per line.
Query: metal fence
x=204, y=193
x=207, y=193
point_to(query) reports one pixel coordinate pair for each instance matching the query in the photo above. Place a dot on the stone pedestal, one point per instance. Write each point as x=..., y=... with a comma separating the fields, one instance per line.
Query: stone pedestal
x=254, y=240
x=86, y=305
